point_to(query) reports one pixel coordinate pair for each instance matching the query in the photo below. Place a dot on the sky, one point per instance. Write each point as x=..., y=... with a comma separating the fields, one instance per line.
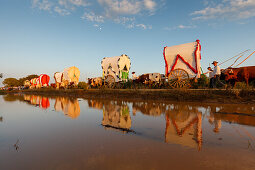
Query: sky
x=46, y=36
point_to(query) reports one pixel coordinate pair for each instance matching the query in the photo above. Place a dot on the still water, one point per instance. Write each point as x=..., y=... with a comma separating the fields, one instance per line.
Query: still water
x=71, y=133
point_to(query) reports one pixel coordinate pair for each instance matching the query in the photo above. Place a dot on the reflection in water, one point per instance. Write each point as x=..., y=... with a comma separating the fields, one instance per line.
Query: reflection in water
x=116, y=115
x=183, y=121
x=162, y=134
x=149, y=108
x=184, y=126
x=16, y=145
x=70, y=107
x=42, y=102
x=39, y=101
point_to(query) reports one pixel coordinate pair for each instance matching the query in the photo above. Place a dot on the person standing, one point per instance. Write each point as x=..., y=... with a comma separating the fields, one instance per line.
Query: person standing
x=210, y=72
x=134, y=77
x=216, y=75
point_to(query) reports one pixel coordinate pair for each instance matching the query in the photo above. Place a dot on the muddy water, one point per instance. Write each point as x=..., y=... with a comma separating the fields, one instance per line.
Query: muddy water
x=67, y=133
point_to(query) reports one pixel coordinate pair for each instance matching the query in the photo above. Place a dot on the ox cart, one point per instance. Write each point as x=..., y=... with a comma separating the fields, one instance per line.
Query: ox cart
x=69, y=77
x=115, y=70
x=182, y=62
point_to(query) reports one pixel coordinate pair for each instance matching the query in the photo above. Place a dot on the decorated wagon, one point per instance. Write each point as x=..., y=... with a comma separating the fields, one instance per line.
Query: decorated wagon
x=26, y=83
x=115, y=69
x=35, y=83
x=44, y=80
x=182, y=63
x=69, y=77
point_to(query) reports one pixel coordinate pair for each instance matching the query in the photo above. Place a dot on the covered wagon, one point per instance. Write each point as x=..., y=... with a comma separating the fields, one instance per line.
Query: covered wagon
x=58, y=78
x=116, y=69
x=182, y=62
x=26, y=83
x=34, y=83
x=70, y=76
x=44, y=80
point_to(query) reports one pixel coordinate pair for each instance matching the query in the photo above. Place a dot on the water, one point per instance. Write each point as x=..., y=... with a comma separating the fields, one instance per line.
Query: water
x=68, y=133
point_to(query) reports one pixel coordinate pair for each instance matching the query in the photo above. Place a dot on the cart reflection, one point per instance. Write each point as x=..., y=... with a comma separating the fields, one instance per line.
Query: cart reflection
x=70, y=107
x=116, y=114
x=184, y=126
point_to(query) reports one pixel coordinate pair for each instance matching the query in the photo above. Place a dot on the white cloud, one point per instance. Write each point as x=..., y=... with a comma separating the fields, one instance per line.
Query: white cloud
x=79, y=2
x=114, y=7
x=42, y=4
x=124, y=20
x=180, y=27
x=122, y=12
x=227, y=9
x=186, y=26
x=126, y=7
x=71, y=4
x=149, y=4
x=143, y=26
x=62, y=12
x=91, y=16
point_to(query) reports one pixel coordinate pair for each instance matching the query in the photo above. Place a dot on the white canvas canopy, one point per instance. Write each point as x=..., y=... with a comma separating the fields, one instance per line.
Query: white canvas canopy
x=58, y=77
x=72, y=75
x=118, y=67
x=185, y=56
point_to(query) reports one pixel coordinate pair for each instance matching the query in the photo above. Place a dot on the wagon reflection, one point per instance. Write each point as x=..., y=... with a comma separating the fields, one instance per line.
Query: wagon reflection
x=184, y=126
x=69, y=106
x=116, y=114
x=183, y=122
x=42, y=102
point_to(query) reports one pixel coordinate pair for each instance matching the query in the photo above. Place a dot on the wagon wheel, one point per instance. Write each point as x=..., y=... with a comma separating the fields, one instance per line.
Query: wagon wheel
x=110, y=81
x=178, y=78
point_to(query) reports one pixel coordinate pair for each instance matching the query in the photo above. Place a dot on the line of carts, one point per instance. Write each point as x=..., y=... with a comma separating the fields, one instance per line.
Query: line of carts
x=182, y=63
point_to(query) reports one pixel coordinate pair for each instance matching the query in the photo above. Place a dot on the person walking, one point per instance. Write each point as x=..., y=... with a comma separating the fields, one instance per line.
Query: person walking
x=210, y=72
x=216, y=75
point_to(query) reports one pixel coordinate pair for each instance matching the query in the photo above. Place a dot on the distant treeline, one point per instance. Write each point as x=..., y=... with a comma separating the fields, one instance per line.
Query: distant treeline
x=13, y=82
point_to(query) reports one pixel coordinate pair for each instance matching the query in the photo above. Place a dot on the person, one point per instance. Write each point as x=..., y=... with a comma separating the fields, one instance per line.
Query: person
x=210, y=72
x=134, y=77
x=216, y=75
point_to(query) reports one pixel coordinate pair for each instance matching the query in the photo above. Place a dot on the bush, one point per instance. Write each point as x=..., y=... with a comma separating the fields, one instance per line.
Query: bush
x=241, y=85
x=202, y=82
x=252, y=83
x=83, y=85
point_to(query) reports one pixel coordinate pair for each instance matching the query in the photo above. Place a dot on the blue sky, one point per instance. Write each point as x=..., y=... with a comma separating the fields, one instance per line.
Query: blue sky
x=46, y=36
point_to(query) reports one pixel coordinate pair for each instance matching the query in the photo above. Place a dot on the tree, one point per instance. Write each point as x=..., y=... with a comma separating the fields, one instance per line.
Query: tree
x=11, y=82
x=1, y=75
x=29, y=77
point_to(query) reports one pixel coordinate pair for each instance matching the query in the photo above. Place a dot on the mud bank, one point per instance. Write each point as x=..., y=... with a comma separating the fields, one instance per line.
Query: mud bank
x=189, y=95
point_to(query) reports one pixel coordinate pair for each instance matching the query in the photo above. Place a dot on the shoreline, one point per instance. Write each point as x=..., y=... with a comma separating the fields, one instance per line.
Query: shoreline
x=232, y=96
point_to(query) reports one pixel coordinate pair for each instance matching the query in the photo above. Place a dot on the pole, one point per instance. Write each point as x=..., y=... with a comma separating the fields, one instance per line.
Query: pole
x=246, y=59
x=234, y=57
